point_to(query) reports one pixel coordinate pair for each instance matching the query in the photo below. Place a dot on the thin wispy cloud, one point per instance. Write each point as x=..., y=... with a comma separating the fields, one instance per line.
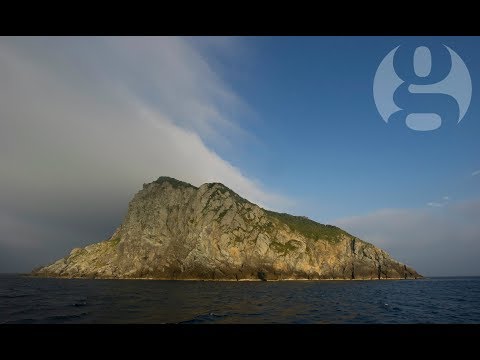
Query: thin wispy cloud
x=86, y=121
x=475, y=173
x=439, y=204
x=435, y=204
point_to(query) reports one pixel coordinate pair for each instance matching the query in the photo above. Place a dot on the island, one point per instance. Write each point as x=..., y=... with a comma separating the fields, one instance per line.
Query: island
x=176, y=231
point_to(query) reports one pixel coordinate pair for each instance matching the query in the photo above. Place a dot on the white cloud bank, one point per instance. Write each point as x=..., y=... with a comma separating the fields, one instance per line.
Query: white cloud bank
x=84, y=122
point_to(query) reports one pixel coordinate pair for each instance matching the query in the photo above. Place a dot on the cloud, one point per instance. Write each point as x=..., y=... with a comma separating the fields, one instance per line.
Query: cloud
x=84, y=122
x=445, y=242
x=439, y=204
x=475, y=173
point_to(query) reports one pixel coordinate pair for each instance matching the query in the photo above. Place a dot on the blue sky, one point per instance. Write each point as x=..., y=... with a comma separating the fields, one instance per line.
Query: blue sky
x=323, y=141
x=288, y=122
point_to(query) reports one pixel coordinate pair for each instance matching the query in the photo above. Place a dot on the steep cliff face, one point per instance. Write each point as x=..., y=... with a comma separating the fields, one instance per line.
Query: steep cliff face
x=174, y=230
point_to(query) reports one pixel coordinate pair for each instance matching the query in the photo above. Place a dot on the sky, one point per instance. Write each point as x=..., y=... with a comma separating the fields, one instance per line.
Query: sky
x=290, y=123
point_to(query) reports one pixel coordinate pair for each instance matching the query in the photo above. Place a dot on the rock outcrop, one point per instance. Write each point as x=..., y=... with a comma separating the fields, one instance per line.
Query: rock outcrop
x=174, y=230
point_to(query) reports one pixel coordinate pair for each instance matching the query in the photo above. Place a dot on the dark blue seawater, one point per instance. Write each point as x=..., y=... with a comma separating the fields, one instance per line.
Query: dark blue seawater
x=436, y=300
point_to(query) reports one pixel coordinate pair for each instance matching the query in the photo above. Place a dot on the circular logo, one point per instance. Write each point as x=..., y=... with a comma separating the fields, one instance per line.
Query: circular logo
x=422, y=88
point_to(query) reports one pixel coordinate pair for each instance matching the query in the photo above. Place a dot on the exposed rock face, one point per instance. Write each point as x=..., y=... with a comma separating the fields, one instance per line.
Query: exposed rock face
x=174, y=230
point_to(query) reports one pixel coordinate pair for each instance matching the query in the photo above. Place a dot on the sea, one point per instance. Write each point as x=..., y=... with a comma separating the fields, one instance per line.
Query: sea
x=441, y=300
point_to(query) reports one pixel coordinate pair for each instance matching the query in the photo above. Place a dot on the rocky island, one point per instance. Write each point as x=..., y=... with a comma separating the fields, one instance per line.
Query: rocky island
x=176, y=231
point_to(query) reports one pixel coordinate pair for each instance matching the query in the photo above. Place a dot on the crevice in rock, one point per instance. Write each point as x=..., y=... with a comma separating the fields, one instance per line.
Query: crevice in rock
x=262, y=276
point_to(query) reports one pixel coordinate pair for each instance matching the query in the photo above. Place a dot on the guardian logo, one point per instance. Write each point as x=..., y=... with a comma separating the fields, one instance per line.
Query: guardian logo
x=422, y=88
